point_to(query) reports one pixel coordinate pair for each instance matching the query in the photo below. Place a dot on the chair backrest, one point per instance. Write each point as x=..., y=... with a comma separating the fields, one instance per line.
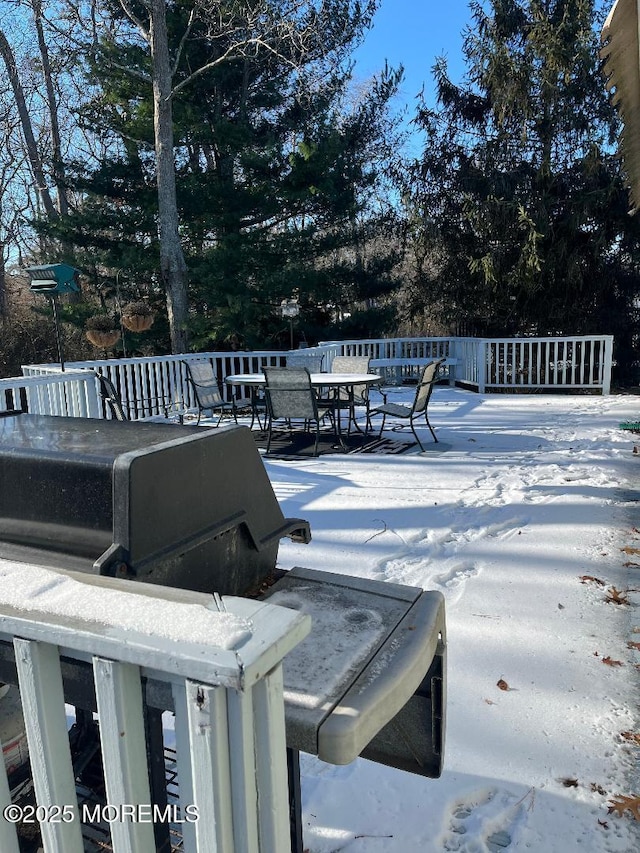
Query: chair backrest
x=110, y=396
x=312, y=362
x=204, y=382
x=352, y=364
x=289, y=393
x=425, y=386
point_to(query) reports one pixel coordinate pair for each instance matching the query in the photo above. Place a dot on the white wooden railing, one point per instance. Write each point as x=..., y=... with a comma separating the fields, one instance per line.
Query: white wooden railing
x=580, y=362
x=396, y=348
x=70, y=393
x=512, y=363
x=568, y=363
x=221, y=659
x=149, y=384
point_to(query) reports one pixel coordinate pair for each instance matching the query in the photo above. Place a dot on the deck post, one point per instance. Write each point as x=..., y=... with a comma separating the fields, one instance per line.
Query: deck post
x=481, y=365
x=606, y=367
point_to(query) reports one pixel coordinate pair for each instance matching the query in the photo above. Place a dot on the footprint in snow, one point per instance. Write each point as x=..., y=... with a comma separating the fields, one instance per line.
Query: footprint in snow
x=463, y=535
x=487, y=822
x=453, y=581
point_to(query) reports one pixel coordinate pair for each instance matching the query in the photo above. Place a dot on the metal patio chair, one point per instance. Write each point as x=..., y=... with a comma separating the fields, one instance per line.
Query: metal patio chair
x=112, y=400
x=311, y=361
x=356, y=395
x=206, y=390
x=419, y=406
x=291, y=397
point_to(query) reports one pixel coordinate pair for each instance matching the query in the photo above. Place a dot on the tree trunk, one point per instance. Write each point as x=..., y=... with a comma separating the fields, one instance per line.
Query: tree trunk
x=3, y=283
x=173, y=267
x=52, y=104
x=27, y=129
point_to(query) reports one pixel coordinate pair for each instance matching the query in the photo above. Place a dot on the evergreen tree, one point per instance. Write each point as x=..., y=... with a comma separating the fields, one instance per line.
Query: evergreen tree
x=276, y=177
x=519, y=210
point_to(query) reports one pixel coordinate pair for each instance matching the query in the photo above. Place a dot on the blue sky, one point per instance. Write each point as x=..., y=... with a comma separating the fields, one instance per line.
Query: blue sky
x=414, y=33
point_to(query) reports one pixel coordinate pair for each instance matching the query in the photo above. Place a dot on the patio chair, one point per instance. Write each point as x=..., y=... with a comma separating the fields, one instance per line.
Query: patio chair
x=206, y=390
x=356, y=395
x=311, y=361
x=290, y=396
x=112, y=400
x=419, y=406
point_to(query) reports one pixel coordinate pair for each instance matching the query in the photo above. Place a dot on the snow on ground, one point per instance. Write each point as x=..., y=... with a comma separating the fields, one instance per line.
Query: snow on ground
x=522, y=497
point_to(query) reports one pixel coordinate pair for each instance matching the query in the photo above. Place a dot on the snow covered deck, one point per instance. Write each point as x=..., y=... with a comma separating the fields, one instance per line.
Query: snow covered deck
x=526, y=516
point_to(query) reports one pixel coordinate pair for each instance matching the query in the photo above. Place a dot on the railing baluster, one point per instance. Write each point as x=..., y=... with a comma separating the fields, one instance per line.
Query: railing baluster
x=144, y=407
x=124, y=758
x=155, y=387
x=42, y=696
x=202, y=742
x=592, y=354
x=8, y=834
x=271, y=764
x=244, y=795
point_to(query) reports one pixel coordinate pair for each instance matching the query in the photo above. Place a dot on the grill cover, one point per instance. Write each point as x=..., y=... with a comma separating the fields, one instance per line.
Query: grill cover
x=180, y=506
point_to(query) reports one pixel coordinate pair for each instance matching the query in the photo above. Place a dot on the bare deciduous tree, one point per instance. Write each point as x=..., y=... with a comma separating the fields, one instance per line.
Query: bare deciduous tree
x=57, y=161
x=33, y=153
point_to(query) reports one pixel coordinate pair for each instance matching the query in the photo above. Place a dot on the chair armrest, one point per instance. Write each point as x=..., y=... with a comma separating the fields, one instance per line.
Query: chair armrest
x=167, y=406
x=378, y=389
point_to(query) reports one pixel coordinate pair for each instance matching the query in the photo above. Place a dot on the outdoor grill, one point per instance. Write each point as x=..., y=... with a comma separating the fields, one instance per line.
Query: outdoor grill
x=193, y=508
x=178, y=506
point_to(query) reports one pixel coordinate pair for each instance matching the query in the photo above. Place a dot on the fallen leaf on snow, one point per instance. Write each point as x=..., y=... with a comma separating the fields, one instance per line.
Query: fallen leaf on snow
x=502, y=684
x=621, y=803
x=603, y=823
x=633, y=737
x=591, y=579
x=616, y=596
x=598, y=789
x=629, y=550
x=610, y=662
x=632, y=645
x=568, y=782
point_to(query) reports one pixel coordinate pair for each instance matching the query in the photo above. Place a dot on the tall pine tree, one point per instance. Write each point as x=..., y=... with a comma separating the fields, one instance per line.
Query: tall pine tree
x=519, y=210
x=275, y=176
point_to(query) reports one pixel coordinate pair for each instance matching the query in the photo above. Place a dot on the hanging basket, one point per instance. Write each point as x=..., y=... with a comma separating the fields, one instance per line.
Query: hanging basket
x=103, y=339
x=137, y=322
x=137, y=316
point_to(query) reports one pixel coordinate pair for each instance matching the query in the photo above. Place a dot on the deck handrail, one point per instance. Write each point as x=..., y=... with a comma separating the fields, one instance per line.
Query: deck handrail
x=220, y=661
x=564, y=361
x=71, y=393
x=577, y=362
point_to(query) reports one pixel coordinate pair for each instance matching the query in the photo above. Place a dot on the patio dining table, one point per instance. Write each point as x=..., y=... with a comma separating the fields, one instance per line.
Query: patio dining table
x=255, y=381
